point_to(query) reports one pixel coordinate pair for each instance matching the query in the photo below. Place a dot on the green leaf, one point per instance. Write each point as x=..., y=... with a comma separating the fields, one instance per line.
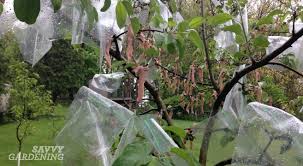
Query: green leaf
x=134, y=153
x=171, y=22
x=154, y=162
x=156, y=20
x=195, y=38
x=172, y=5
x=129, y=8
x=260, y=41
x=56, y=5
x=218, y=19
x=170, y=44
x=27, y=10
x=196, y=22
x=187, y=156
x=152, y=52
x=183, y=26
x=135, y=23
x=1, y=8
x=177, y=130
x=92, y=15
x=106, y=5
x=121, y=14
x=269, y=18
x=181, y=47
x=236, y=28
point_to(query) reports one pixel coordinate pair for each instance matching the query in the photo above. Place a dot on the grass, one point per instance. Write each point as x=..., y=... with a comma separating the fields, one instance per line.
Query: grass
x=43, y=135
x=45, y=132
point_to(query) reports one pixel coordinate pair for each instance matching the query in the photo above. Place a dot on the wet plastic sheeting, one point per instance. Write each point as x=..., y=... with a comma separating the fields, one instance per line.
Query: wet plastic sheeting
x=277, y=41
x=234, y=104
x=33, y=39
x=106, y=82
x=268, y=136
x=95, y=122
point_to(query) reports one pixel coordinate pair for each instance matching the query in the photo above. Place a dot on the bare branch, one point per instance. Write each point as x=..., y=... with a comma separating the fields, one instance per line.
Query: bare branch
x=143, y=30
x=286, y=67
x=209, y=64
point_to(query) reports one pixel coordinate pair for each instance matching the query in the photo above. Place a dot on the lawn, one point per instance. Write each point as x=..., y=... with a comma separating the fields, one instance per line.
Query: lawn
x=46, y=129
x=44, y=132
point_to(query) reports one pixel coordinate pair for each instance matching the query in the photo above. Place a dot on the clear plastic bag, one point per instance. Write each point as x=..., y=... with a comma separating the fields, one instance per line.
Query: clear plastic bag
x=268, y=136
x=95, y=122
x=106, y=82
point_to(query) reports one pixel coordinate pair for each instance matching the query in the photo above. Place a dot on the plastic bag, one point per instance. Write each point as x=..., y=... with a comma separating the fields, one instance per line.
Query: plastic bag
x=95, y=122
x=106, y=82
x=268, y=136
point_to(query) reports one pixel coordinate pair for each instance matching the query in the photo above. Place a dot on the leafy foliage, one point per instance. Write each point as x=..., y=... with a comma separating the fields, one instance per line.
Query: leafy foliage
x=136, y=153
x=106, y=5
x=64, y=69
x=27, y=10
x=56, y=5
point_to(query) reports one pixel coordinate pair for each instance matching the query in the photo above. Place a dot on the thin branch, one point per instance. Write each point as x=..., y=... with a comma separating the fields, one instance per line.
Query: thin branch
x=146, y=112
x=230, y=84
x=209, y=64
x=224, y=162
x=286, y=67
x=143, y=30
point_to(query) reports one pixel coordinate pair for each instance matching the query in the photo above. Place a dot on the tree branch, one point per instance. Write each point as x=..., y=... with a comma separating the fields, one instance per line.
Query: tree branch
x=143, y=30
x=152, y=90
x=286, y=67
x=209, y=64
x=230, y=84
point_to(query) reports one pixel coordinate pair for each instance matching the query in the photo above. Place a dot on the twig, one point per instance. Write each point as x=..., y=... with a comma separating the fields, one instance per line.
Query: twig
x=209, y=64
x=143, y=30
x=146, y=112
x=286, y=67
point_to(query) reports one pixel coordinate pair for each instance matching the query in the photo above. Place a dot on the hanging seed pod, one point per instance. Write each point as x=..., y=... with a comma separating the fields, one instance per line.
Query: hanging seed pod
x=215, y=94
x=130, y=43
x=192, y=74
x=257, y=76
x=191, y=87
x=187, y=108
x=221, y=80
x=202, y=102
x=192, y=104
x=142, y=74
x=258, y=92
x=200, y=74
x=107, y=54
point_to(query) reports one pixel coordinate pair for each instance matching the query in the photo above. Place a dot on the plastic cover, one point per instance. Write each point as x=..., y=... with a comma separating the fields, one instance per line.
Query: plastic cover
x=106, y=82
x=95, y=122
x=226, y=124
x=227, y=39
x=268, y=136
x=277, y=41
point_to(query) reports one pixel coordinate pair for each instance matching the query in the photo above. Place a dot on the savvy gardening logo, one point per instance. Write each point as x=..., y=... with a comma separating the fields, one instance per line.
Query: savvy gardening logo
x=40, y=153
